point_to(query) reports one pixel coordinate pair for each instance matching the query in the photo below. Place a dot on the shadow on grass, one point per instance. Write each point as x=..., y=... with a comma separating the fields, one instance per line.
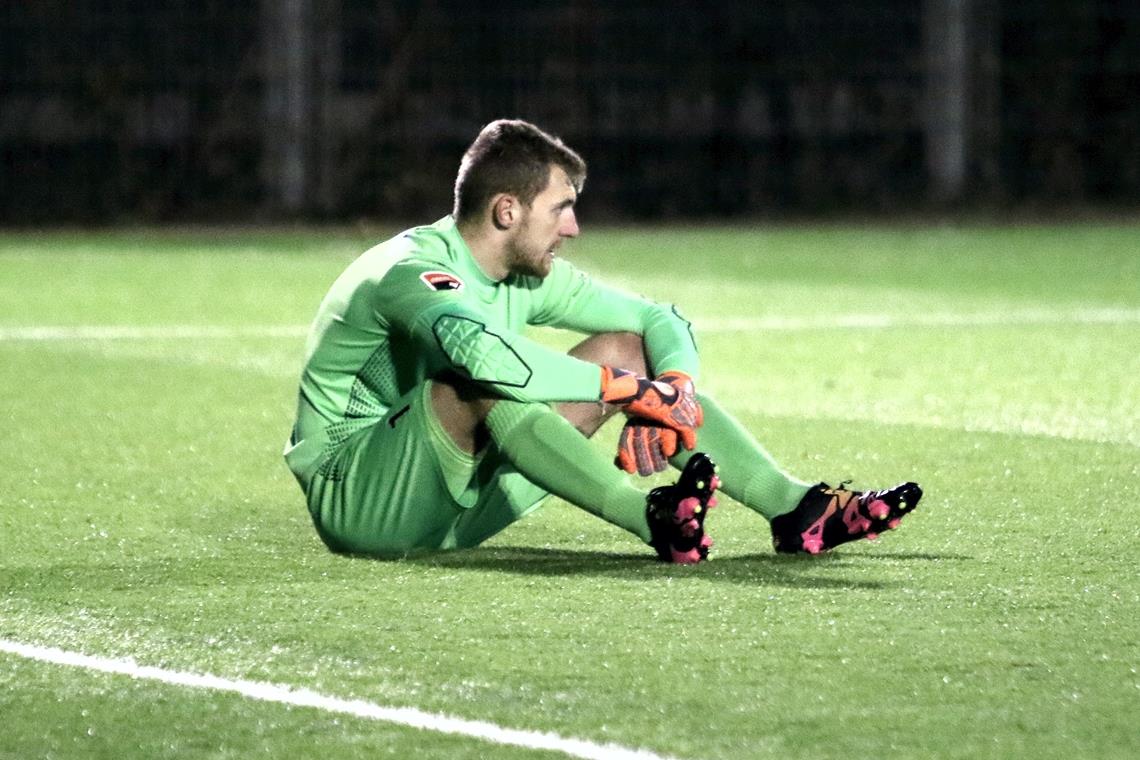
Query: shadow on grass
x=828, y=571
x=824, y=572
x=924, y=556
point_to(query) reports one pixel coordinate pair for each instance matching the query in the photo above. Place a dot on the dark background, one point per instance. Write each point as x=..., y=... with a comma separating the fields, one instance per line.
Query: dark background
x=202, y=110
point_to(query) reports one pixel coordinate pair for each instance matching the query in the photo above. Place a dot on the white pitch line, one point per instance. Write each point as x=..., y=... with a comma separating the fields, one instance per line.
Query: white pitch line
x=286, y=695
x=773, y=323
x=137, y=332
x=1011, y=318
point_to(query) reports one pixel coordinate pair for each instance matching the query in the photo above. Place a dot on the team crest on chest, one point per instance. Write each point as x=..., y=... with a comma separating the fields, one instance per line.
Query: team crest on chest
x=441, y=281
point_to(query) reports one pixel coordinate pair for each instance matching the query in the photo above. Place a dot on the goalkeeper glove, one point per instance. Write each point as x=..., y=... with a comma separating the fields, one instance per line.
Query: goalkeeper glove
x=645, y=447
x=656, y=400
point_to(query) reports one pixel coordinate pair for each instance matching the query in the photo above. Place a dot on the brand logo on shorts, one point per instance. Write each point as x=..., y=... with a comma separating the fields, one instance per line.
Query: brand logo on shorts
x=441, y=281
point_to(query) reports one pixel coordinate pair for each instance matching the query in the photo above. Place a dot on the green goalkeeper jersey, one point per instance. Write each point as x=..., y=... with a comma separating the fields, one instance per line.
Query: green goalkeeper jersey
x=418, y=306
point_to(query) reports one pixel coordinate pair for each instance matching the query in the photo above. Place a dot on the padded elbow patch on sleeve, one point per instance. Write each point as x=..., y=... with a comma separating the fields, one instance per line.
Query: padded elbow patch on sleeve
x=480, y=354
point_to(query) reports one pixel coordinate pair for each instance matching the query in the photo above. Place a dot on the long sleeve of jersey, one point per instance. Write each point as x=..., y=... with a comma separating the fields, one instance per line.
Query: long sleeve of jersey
x=453, y=329
x=575, y=301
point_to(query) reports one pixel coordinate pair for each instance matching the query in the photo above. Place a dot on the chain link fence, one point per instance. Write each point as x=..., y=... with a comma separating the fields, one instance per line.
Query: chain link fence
x=127, y=110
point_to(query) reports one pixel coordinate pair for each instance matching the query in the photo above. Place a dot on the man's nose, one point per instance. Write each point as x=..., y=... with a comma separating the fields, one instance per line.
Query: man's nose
x=569, y=226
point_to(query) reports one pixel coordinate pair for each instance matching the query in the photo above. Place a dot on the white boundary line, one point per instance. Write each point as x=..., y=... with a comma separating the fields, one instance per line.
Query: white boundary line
x=286, y=695
x=37, y=333
x=1011, y=318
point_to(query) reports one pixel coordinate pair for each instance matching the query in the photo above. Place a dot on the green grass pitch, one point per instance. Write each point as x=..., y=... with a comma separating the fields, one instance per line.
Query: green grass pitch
x=146, y=387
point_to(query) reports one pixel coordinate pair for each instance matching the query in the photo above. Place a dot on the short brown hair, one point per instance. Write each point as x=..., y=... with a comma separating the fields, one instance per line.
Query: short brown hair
x=511, y=156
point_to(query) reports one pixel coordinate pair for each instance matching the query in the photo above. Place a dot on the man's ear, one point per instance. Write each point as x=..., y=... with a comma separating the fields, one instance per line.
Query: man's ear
x=505, y=211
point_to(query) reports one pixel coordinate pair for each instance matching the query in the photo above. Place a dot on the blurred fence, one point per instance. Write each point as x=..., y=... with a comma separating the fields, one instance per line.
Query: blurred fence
x=135, y=110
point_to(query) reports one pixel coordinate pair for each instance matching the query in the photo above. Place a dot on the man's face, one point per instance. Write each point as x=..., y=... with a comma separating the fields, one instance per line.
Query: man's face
x=548, y=220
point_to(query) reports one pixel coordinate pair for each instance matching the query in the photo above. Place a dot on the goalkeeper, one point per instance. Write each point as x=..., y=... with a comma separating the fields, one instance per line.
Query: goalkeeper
x=426, y=420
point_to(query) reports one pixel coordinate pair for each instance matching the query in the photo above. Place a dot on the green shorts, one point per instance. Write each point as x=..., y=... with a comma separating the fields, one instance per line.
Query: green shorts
x=403, y=485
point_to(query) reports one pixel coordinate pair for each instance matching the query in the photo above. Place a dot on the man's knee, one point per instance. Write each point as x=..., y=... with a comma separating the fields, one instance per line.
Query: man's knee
x=461, y=405
x=614, y=349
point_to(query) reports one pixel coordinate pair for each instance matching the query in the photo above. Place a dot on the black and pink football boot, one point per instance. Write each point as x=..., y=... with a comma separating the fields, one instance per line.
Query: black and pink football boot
x=676, y=513
x=827, y=517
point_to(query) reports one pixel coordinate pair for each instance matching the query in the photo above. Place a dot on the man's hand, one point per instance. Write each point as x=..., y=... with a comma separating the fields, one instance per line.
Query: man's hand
x=645, y=447
x=668, y=401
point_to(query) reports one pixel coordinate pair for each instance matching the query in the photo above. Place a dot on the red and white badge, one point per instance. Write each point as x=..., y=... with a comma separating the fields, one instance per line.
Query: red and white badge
x=441, y=281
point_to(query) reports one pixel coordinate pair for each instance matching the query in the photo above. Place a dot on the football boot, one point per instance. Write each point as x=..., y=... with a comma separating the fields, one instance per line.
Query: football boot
x=827, y=517
x=676, y=513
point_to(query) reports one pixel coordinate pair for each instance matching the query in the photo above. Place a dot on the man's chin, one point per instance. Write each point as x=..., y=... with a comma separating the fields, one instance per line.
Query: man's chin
x=539, y=269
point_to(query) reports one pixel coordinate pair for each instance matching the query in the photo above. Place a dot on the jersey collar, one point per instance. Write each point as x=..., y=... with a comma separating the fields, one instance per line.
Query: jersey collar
x=461, y=254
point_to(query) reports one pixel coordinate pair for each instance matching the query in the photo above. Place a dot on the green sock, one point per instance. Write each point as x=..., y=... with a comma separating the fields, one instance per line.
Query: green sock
x=552, y=453
x=747, y=472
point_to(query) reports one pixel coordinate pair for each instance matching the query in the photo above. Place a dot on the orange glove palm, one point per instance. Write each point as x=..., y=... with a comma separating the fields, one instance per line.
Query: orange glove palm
x=660, y=410
x=645, y=447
